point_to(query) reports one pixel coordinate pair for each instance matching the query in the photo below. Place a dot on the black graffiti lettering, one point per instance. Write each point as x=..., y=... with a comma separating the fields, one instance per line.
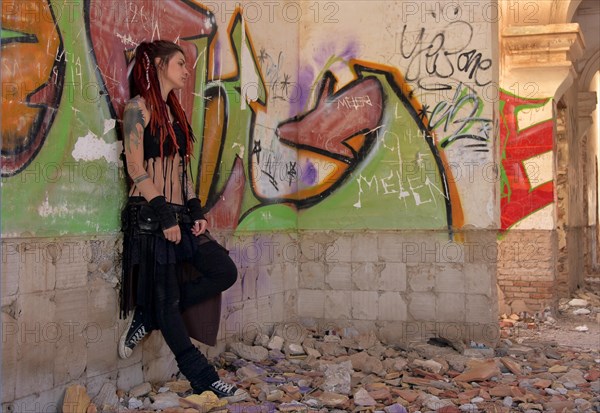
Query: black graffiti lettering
x=460, y=117
x=270, y=170
x=290, y=170
x=279, y=84
x=442, y=54
x=473, y=61
x=256, y=149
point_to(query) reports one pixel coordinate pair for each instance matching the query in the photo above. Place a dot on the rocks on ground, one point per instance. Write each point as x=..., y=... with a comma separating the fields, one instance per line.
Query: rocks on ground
x=349, y=372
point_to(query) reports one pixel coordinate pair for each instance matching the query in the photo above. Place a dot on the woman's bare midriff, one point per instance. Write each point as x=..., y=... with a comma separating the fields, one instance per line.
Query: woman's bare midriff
x=170, y=184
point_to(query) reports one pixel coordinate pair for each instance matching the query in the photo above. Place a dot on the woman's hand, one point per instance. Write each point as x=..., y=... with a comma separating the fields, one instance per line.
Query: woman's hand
x=199, y=227
x=173, y=234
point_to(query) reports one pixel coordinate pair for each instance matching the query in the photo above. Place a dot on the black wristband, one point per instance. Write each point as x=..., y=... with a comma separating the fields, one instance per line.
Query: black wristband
x=165, y=214
x=195, y=208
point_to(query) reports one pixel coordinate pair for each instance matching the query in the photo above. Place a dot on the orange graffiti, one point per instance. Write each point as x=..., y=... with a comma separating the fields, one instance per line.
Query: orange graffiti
x=32, y=78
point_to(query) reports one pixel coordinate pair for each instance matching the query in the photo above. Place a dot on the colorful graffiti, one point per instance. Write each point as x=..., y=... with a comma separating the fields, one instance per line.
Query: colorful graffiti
x=365, y=153
x=446, y=71
x=31, y=91
x=522, y=193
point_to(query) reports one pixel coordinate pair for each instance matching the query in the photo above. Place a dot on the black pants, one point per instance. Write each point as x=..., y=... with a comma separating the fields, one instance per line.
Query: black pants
x=218, y=273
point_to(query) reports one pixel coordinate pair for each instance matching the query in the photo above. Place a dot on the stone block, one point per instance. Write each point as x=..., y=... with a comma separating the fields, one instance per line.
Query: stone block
x=311, y=275
x=37, y=343
x=365, y=275
x=311, y=303
x=76, y=399
x=289, y=252
x=478, y=279
x=103, y=303
x=450, y=307
x=364, y=247
x=71, y=345
x=10, y=343
x=247, y=251
x=129, y=377
x=364, y=305
x=231, y=322
x=290, y=301
x=9, y=282
x=391, y=332
x=72, y=267
x=392, y=307
x=338, y=305
x=285, y=247
x=94, y=384
x=42, y=401
x=270, y=280
x=289, y=272
x=449, y=278
x=339, y=276
x=421, y=247
x=37, y=271
x=271, y=309
x=264, y=251
x=248, y=278
x=421, y=306
x=481, y=309
x=421, y=278
x=451, y=252
x=106, y=399
x=102, y=352
x=392, y=277
x=341, y=249
x=389, y=246
x=309, y=248
x=249, y=313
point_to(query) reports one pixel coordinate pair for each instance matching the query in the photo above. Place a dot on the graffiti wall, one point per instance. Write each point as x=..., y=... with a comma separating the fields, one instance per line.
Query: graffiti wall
x=309, y=115
x=527, y=177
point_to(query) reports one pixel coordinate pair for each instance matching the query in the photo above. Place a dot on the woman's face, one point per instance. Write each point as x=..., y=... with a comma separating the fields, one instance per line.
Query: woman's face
x=174, y=74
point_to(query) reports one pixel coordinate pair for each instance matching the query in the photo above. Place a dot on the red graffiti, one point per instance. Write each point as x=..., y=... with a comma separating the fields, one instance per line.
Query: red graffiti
x=117, y=27
x=337, y=117
x=519, y=197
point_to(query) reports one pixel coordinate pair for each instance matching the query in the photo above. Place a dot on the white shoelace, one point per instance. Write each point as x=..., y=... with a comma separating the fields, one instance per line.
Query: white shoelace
x=222, y=386
x=139, y=334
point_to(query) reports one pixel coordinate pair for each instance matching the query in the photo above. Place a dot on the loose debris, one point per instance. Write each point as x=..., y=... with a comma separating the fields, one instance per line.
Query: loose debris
x=344, y=371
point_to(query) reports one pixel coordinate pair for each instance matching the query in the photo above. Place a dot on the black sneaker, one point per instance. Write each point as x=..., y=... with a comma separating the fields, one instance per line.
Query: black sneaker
x=228, y=391
x=135, y=332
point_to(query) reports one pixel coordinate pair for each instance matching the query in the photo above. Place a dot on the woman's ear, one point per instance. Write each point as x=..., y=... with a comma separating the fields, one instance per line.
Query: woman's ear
x=157, y=62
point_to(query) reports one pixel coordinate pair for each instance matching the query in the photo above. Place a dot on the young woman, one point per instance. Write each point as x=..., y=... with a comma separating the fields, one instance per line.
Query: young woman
x=170, y=261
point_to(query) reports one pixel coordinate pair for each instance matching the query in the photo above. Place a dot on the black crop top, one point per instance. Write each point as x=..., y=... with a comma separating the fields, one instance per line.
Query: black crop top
x=152, y=143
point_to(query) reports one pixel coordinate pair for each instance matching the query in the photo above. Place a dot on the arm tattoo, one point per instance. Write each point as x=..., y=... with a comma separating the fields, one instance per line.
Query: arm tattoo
x=133, y=125
x=140, y=178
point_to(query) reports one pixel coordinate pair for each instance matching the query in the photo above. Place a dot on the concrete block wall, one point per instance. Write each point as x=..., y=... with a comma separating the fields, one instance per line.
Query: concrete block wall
x=60, y=320
x=407, y=286
x=60, y=301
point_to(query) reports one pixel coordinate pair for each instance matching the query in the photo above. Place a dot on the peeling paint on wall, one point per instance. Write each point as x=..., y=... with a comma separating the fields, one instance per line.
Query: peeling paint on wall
x=90, y=147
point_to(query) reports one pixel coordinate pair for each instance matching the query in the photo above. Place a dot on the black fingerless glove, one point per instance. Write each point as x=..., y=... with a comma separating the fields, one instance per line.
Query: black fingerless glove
x=195, y=208
x=165, y=214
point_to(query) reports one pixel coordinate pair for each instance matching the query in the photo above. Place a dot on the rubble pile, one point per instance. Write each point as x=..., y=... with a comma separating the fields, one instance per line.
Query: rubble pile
x=344, y=371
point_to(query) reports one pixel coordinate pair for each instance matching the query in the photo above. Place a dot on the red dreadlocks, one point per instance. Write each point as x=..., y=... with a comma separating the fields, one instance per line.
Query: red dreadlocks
x=146, y=84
